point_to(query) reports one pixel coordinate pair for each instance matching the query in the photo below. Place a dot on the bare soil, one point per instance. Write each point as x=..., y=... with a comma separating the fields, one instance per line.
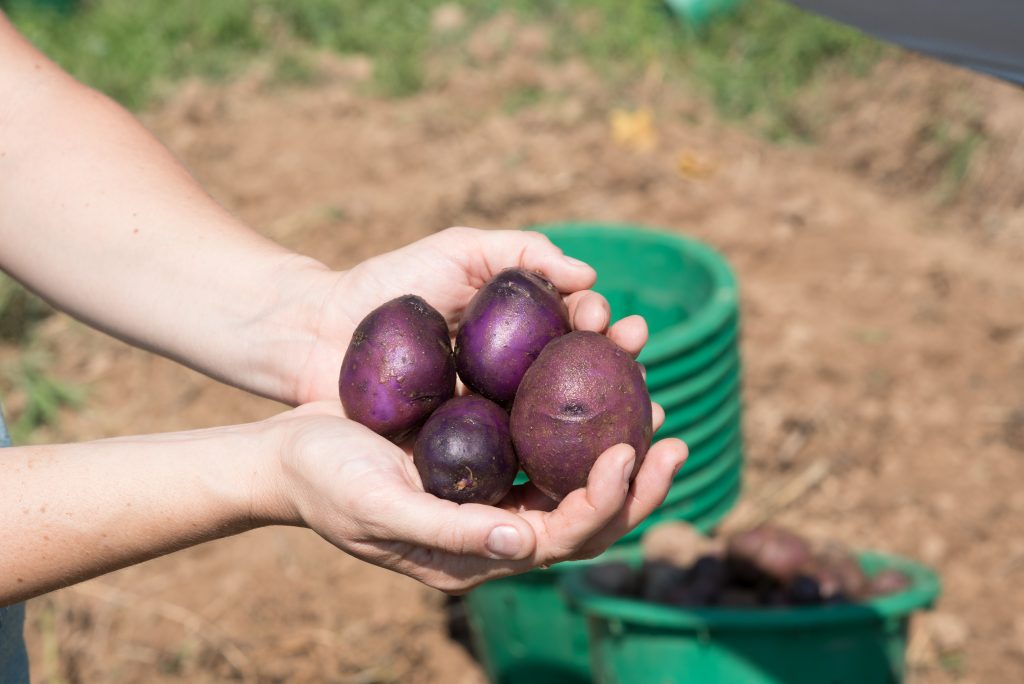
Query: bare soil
x=883, y=338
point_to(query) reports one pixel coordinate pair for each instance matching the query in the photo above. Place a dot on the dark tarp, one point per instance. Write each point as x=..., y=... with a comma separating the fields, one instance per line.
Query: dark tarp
x=985, y=35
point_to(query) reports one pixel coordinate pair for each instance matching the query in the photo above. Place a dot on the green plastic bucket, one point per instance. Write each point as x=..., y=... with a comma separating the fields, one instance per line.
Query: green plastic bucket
x=696, y=433
x=633, y=641
x=524, y=628
x=723, y=371
x=688, y=363
x=524, y=631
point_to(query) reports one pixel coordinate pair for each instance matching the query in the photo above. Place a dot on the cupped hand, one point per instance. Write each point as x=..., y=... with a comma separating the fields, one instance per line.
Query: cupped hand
x=446, y=269
x=363, y=494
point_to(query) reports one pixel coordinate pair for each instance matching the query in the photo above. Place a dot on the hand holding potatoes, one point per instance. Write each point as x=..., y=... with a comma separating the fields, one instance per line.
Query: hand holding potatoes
x=373, y=500
x=367, y=499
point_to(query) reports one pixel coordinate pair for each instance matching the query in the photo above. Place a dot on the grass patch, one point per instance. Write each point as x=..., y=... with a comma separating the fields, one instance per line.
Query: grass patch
x=38, y=397
x=523, y=98
x=20, y=311
x=752, y=62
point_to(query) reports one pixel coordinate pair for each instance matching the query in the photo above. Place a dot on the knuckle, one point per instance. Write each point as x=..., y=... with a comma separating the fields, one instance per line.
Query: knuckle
x=453, y=540
x=538, y=239
x=457, y=232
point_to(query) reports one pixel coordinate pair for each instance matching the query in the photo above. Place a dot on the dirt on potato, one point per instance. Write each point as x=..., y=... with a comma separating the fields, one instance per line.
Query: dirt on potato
x=883, y=340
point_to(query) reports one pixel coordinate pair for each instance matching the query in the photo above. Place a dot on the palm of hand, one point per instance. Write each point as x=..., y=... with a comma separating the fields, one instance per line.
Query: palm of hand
x=370, y=503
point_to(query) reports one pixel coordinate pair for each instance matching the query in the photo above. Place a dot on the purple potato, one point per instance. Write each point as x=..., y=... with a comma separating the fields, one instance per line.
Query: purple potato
x=503, y=330
x=398, y=367
x=583, y=395
x=662, y=582
x=464, y=452
x=617, y=578
x=739, y=598
x=839, y=573
x=888, y=582
x=706, y=580
x=771, y=551
x=804, y=590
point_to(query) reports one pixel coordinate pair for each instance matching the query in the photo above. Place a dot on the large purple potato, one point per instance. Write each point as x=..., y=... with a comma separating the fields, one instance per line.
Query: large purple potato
x=464, y=452
x=398, y=367
x=581, y=396
x=503, y=330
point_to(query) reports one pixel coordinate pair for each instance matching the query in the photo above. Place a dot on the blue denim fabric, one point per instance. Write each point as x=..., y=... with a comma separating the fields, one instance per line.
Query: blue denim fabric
x=13, y=659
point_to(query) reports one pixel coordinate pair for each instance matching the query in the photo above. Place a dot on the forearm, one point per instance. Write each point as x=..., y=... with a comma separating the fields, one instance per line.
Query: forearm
x=71, y=512
x=100, y=219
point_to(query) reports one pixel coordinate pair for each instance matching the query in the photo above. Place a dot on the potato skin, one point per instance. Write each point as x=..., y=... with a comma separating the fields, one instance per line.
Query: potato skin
x=398, y=367
x=771, y=551
x=581, y=396
x=464, y=452
x=503, y=330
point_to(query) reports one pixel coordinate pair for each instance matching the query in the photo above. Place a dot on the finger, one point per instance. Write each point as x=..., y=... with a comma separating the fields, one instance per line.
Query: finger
x=424, y=520
x=630, y=333
x=586, y=511
x=532, y=251
x=657, y=415
x=647, y=492
x=315, y=408
x=588, y=310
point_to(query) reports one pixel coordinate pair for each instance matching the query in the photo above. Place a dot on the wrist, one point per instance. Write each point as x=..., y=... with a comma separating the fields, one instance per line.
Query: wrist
x=264, y=495
x=288, y=327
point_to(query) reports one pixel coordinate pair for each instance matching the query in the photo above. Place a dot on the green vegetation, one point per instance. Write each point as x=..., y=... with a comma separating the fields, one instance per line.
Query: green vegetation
x=751, y=62
x=956, y=142
x=19, y=311
x=40, y=397
x=24, y=379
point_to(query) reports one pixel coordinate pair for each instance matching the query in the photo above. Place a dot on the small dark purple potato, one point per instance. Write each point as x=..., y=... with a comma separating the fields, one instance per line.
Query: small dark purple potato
x=503, y=330
x=707, y=579
x=616, y=578
x=772, y=551
x=398, y=367
x=804, y=590
x=888, y=582
x=581, y=396
x=464, y=452
x=663, y=582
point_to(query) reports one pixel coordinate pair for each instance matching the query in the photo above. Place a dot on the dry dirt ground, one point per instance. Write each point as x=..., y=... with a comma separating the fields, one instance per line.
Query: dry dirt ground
x=883, y=344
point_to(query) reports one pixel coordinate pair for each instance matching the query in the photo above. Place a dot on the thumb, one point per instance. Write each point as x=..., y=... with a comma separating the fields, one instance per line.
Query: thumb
x=467, y=529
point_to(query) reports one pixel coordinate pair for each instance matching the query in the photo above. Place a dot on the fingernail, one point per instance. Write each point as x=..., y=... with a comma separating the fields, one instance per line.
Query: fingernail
x=675, y=471
x=627, y=469
x=576, y=262
x=504, y=541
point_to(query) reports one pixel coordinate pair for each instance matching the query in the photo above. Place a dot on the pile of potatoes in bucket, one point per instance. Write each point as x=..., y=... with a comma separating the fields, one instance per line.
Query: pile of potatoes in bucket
x=764, y=566
x=571, y=394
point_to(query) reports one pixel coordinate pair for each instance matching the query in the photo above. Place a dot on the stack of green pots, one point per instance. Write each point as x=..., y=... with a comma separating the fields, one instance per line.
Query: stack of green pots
x=522, y=626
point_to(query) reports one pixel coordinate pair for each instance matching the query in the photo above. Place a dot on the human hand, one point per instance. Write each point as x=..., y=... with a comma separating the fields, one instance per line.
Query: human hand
x=363, y=494
x=446, y=269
